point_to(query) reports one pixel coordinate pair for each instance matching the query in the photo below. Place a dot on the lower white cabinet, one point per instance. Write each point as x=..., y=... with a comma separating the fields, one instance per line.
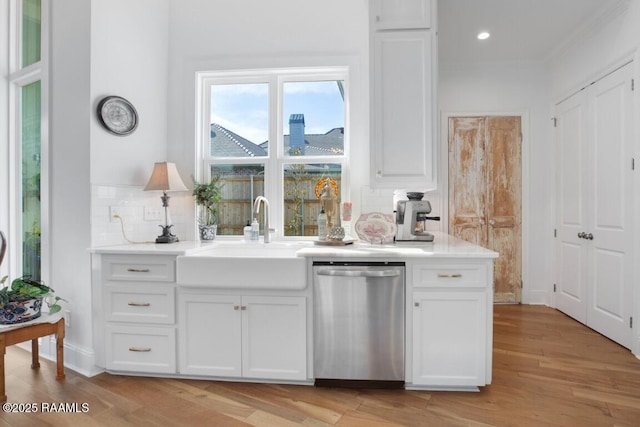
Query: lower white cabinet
x=449, y=345
x=451, y=308
x=242, y=336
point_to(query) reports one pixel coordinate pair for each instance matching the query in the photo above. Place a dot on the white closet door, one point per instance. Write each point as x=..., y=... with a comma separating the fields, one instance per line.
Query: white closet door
x=572, y=195
x=595, y=206
x=610, y=210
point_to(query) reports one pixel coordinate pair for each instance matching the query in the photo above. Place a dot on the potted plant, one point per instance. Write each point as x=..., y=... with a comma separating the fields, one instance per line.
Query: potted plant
x=208, y=196
x=22, y=301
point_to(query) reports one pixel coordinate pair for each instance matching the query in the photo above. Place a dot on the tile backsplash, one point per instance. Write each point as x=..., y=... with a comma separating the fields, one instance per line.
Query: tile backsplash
x=131, y=202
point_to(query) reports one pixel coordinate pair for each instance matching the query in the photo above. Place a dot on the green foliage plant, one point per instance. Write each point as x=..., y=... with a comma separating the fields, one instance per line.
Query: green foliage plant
x=23, y=288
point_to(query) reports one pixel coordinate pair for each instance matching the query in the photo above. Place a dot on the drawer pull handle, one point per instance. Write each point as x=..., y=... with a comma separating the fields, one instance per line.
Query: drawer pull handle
x=139, y=304
x=449, y=276
x=138, y=270
x=139, y=350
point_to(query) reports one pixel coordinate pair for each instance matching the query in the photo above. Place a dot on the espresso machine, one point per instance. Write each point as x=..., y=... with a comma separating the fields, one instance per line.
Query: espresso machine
x=411, y=218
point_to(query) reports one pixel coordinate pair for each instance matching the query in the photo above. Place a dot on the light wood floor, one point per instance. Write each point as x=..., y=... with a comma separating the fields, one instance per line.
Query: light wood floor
x=548, y=370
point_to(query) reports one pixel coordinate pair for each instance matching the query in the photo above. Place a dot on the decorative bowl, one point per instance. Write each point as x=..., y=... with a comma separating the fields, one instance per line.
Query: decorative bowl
x=20, y=311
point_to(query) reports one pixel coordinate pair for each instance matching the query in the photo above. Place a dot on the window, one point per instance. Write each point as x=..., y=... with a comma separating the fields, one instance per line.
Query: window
x=279, y=134
x=29, y=135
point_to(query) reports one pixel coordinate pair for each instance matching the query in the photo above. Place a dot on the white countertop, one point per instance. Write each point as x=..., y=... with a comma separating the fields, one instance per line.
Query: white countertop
x=178, y=248
x=444, y=246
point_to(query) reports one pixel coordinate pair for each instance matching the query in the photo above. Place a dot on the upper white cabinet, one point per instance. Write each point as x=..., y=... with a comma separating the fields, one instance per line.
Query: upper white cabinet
x=397, y=14
x=403, y=61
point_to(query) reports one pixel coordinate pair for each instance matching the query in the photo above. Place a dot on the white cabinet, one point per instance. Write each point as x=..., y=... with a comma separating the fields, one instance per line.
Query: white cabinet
x=137, y=300
x=451, y=313
x=449, y=338
x=398, y=14
x=403, y=70
x=243, y=336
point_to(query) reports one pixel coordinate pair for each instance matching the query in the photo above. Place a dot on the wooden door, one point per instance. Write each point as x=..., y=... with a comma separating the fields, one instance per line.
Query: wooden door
x=485, y=192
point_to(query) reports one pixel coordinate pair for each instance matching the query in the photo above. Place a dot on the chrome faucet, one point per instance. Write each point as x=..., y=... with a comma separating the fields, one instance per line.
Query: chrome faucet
x=256, y=209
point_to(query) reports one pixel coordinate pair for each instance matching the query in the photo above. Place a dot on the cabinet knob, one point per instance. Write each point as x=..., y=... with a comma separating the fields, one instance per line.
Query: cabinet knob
x=244, y=307
x=589, y=236
x=236, y=307
x=416, y=304
x=379, y=174
x=582, y=235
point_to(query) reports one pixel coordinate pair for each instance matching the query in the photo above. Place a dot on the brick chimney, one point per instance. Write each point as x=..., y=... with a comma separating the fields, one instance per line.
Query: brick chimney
x=296, y=132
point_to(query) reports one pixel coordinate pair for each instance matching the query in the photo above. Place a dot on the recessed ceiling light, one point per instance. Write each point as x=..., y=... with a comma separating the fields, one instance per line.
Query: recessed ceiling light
x=483, y=35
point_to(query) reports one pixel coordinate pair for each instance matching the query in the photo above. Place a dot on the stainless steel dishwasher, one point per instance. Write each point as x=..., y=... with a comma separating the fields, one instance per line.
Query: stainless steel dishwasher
x=359, y=323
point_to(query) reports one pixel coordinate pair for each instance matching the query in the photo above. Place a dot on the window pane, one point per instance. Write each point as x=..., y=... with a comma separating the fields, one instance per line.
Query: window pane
x=30, y=149
x=31, y=30
x=241, y=185
x=239, y=120
x=303, y=186
x=313, y=118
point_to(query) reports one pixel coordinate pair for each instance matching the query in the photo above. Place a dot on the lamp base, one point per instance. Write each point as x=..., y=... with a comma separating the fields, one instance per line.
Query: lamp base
x=167, y=239
x=167, y=236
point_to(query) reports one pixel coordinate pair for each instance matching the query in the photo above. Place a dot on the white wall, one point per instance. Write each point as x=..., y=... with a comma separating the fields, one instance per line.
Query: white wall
x=614, y=37
x=513, y=89
x=70, y=118
x=214, y=35
x=129, y=56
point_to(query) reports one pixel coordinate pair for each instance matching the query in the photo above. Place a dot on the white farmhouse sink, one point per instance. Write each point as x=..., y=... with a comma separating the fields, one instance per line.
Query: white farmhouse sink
x=245, y=265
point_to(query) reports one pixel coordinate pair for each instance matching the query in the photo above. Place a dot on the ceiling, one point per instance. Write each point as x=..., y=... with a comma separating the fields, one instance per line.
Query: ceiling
x=521, y=30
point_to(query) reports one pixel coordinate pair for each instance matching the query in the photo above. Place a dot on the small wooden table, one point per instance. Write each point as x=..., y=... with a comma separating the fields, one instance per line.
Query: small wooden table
x=32, y=332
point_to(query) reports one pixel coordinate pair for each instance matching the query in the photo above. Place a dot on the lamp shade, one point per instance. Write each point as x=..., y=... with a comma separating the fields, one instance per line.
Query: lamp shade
x=165, y=177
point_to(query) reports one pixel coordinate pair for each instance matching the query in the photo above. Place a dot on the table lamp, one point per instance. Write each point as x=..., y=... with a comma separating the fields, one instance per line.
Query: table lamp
x=165, y=177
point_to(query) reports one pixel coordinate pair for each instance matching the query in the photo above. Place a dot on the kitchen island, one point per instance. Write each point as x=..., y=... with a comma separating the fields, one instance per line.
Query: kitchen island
x=222, y=311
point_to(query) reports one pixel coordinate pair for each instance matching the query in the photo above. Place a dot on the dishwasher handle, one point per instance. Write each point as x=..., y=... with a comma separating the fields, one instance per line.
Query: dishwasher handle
x=359, y=273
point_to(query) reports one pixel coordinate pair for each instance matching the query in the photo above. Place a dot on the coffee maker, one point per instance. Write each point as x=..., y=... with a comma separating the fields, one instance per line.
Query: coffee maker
x=411, y=218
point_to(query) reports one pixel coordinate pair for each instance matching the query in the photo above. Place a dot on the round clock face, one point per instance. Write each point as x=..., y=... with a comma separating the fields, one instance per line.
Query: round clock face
x=117, y=115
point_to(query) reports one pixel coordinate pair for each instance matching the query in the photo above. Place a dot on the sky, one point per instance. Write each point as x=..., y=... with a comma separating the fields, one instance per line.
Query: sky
x=243, y=108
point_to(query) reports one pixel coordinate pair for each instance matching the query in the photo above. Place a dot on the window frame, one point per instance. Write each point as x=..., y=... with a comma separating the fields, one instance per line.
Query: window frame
x=276, y=158
x=18, y=78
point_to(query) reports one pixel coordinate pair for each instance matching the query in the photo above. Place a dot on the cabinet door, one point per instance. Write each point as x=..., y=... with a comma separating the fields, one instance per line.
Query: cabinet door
x=210, y=335
x=402, y=132
x=274, y=337
x=400, y=14
x=449, y=338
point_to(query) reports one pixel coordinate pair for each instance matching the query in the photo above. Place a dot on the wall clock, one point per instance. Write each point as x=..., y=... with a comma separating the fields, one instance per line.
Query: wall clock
x=117, y=115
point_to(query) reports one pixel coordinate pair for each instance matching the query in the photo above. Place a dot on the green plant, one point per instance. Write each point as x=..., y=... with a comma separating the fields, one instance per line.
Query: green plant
x=24, y=288
x=208, y=195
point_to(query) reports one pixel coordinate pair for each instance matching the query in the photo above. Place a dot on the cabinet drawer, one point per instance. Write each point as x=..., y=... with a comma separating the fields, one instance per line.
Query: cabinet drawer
x=142, y=303
x=450, y=275
x=141, y=349
x=140, y=268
